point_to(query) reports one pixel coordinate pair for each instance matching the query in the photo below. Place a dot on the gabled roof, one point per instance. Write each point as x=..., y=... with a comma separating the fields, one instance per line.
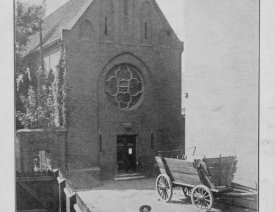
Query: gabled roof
x=56, y=21
x=65, y=17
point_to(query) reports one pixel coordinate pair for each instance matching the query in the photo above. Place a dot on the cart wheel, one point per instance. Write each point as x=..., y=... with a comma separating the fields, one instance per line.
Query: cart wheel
x=164, y=187
x=202, y=197
x=187, y=192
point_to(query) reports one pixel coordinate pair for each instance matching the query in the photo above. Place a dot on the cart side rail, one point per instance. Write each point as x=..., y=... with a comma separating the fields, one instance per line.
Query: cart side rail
x=177, y=154
x=181, y=171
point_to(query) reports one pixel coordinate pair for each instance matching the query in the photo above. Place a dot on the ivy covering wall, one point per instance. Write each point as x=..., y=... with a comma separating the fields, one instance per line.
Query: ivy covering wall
x=42, y=97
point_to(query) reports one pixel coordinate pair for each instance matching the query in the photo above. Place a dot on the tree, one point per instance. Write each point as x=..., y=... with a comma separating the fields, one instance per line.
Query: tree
x=41, y=114
x=32, y=111
x=27, y=23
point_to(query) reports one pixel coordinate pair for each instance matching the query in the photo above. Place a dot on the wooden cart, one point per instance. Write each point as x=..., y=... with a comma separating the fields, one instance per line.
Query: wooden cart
x=202, y=181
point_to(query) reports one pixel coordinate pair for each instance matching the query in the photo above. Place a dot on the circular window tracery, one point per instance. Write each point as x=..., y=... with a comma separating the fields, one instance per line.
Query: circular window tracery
x=124, y=86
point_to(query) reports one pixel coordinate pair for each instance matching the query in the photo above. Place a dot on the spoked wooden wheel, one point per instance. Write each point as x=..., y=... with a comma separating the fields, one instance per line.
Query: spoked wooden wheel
x=187, y=192
x=202, y=197
x=164, y=187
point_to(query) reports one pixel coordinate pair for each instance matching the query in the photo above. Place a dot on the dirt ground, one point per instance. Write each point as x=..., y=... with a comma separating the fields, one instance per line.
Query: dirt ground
x=128, y=196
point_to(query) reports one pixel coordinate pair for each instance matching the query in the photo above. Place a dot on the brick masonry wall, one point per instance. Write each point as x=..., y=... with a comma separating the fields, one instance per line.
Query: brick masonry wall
x=88, y=111
x=29, y=142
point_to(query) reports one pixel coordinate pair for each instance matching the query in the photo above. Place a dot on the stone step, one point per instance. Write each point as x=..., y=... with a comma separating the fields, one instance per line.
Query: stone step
x=128, y=174
x=129, y=177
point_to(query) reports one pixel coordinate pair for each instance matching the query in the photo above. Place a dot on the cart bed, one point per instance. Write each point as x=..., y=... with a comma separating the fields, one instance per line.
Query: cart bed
x=203, y=177
x=218, y=171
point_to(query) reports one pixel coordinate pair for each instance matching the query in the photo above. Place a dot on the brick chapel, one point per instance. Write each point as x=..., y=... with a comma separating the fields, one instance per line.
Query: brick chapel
x=122, y=85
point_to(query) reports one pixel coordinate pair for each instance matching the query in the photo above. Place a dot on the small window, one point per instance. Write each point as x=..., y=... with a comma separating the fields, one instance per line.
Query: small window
x=100, y=143
x=106, y=26
x=152, y=140
x=145, y=30
x=125, y=7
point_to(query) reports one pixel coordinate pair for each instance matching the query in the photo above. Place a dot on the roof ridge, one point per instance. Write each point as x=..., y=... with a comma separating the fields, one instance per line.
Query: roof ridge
x=57, y=9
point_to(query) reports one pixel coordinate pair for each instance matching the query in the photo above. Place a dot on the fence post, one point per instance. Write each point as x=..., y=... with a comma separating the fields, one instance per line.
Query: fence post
x=70, y=200
x=62, y=197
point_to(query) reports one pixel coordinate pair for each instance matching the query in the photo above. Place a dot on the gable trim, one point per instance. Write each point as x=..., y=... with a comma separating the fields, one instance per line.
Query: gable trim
x=83, y=9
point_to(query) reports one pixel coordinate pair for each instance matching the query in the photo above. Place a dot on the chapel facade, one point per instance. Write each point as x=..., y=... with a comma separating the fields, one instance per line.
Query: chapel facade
x=121, y=65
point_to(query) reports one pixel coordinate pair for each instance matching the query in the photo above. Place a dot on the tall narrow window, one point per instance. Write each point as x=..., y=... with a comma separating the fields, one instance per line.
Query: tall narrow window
x=106, y=26
x=100, y=143
x=125, y=7
x=152, y=140
x=145, y=30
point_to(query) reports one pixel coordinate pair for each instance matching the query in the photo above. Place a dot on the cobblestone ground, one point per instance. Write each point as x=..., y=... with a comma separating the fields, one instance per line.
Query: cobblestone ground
x=128, y=196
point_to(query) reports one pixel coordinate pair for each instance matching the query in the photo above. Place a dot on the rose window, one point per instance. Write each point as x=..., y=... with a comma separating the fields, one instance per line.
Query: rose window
x=124, y=86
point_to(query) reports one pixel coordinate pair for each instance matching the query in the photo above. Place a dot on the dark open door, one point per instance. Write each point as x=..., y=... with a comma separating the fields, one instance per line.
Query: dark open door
x=126, y=153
